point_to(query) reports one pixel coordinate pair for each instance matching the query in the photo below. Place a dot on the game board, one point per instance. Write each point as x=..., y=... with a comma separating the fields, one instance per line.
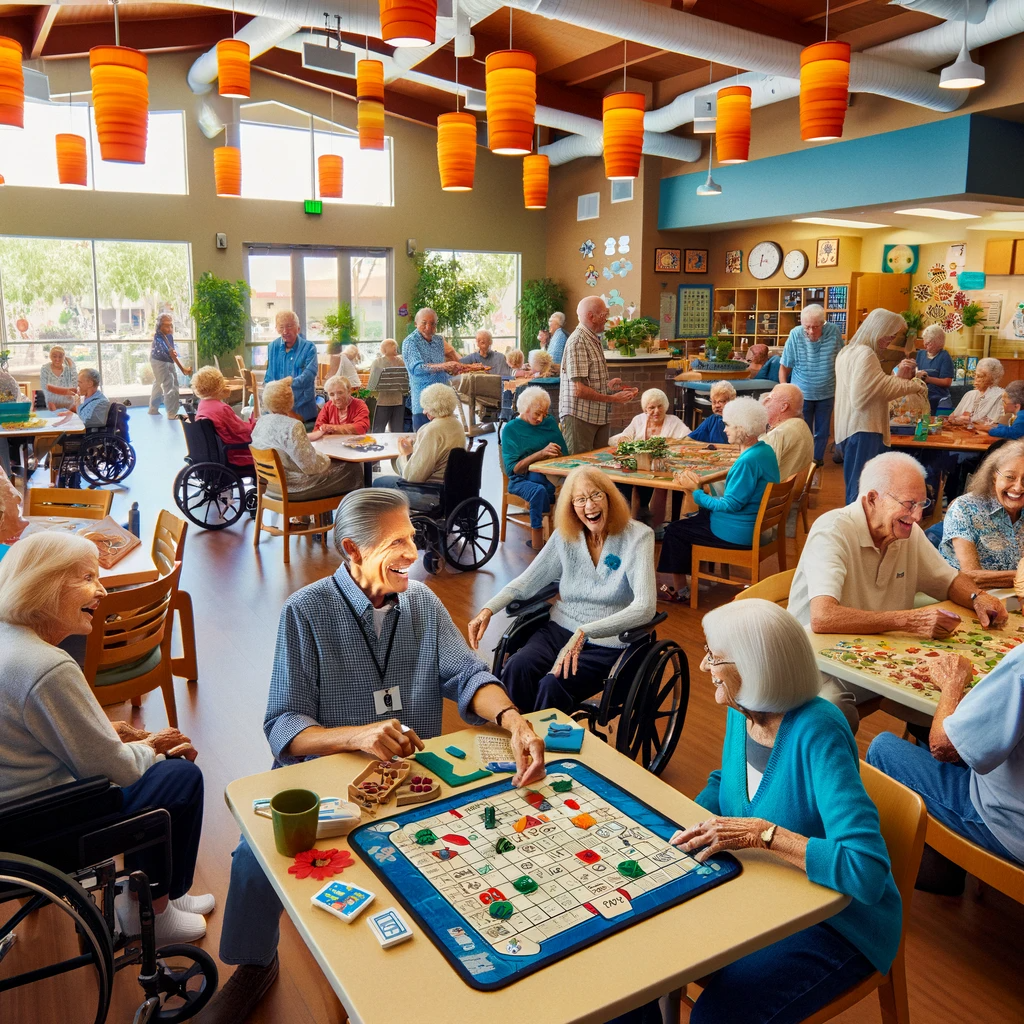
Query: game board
x=905, y=660
x=582, y=859
x=704, y=461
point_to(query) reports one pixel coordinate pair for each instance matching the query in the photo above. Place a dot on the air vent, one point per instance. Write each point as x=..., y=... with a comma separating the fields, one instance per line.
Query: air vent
x=331, y=62
x=588, y=207
x=622, y=191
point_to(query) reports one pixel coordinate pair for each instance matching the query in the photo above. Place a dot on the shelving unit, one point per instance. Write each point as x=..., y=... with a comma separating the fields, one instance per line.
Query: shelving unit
x=767, y=315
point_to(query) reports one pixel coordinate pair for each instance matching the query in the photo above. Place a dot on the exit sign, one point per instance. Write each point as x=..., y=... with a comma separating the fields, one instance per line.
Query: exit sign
x=315, y=206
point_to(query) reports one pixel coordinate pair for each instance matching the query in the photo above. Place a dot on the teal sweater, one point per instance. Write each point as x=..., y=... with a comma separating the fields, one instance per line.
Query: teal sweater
x=733, y=514
x=812, y=786
x=519, y=439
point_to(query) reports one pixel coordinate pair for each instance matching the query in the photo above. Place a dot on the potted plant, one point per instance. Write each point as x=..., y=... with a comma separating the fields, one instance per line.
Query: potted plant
x=644, y=451
x=914, y=321
x=972, y=314
x=221, y=313
x=540, y=299
x=459, y=302
x=340, y=328
x=5, y=355
x=628, y=334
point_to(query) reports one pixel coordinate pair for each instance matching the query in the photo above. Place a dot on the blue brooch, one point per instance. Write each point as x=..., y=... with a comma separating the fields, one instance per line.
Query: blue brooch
x=612, y=561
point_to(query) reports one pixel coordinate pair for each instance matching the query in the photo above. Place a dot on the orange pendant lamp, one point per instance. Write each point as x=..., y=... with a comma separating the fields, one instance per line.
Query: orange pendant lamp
x=233, y=68
x=824, y=90
x=12, y=84
x=120, y=98
x=623, y=134
x=227, y=170
x=732, y=130
x=370, y=110
x=72, y=164
x=456, y=151
x=330, y=172
x=408, y=22
x=511, y=101
x=535, y=181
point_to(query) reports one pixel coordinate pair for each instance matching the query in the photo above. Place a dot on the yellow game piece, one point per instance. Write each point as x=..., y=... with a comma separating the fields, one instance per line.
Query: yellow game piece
x=583, y=821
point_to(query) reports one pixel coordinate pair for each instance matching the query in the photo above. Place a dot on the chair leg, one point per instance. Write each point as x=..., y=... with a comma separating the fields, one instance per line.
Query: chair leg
x=186, y=666
x=892, y=994
x=258, y=522
x=137, y=701
x=167, y=686
x=694, y=581
x=504, y=518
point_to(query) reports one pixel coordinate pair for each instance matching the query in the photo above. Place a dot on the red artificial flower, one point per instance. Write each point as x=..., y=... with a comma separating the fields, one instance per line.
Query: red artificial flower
x=320, y=863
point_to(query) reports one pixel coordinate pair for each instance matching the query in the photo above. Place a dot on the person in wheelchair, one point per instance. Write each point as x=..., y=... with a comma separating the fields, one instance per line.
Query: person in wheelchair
x=603, y=563
x=210, y=388
x=53, y=730
x=93, y=405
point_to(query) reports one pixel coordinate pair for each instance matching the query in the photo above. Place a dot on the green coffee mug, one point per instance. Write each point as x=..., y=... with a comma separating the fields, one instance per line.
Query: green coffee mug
x=295, y=813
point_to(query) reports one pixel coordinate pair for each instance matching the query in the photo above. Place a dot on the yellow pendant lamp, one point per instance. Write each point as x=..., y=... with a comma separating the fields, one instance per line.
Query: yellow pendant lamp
x=732, y=129
x=408, y=22
x=623, y=117
x=227, y=170
x=72, y=163
x=233, y=70
x=12, y=84
x=824, y=90
x=120, y=99
x=330, y=171
x=536, y=168
x=511, y=101
x=456, y=151
x=370, y=108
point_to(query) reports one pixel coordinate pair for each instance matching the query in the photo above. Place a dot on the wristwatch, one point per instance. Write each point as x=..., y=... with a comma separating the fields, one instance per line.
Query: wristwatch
x=977, y=594
x=768, y=835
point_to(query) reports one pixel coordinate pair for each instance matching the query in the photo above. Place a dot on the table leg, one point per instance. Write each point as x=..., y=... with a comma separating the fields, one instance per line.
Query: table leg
x=367, y=474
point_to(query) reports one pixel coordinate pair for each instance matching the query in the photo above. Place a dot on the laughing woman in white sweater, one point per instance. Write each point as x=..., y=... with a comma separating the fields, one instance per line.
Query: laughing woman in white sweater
x=603, y=563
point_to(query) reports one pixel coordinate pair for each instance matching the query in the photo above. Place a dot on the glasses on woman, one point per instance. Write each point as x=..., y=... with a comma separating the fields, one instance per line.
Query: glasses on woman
x=911, y=506
x=711, y=661
x=581, y=499
x=1011, y=480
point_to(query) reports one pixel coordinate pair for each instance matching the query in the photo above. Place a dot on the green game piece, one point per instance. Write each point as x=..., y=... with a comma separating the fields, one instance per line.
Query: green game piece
x=501, y=909
x=425, y=837
x=630, y=869
x=446, y=770
x=456, y=752
x=489, y=818
x=504, y=845
x=562, y=785
x=525, y=884
x=549, y=718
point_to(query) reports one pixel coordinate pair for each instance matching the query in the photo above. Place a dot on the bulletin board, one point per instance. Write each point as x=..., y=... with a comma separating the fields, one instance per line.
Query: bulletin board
x=694, y=310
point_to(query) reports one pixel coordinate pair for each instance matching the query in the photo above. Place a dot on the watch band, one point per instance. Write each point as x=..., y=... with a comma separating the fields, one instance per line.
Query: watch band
x=977, y=594
x=501, y=714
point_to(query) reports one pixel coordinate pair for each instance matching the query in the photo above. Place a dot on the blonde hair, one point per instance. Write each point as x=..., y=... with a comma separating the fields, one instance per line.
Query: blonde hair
x=285, y=316
x=278, y=396
x=722, y=387
x=389, y=347
x=878, y=324
x=568, y=523
x=35, y=571
x=208, y=382
x=515, y=358
x=983, y=481
x=56, y=348
x=336, y=380
x=540, y=361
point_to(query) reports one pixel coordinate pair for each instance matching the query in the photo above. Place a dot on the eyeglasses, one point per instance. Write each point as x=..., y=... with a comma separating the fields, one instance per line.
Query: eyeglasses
x=711, y=661
x=1012, y=481
x=911, y=506
x=581, y=499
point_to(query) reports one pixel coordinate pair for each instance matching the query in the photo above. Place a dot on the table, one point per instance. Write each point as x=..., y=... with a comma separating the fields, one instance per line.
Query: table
x=949, y=439
x=333, y=446
x=767, y=902
x=743, y=386
x=54, y=426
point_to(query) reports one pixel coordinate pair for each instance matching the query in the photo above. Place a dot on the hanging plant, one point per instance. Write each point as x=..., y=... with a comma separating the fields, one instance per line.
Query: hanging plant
x=221, y=314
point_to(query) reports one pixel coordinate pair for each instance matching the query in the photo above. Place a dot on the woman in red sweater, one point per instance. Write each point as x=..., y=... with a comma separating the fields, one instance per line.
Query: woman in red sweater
x=341, y=414
x=209, y=387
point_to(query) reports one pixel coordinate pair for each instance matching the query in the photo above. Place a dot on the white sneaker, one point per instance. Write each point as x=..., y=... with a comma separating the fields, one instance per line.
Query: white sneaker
x=173, y=925
x=195, y=904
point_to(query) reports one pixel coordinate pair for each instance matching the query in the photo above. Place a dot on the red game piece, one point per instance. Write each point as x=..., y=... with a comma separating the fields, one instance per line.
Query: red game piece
x=534, y=799
x=589, y=856
x=416, y=780
x=455, y=840
x=490, y=896
x=572, y=803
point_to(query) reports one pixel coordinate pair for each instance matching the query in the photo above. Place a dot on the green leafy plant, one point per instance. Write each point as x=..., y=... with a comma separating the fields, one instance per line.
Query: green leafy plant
x=914, y=319
x=340, y=328
x=627, y=334
x=655, y=447
x=221, y=313
x=972, y=314
x=460, y=302
x=541, y=298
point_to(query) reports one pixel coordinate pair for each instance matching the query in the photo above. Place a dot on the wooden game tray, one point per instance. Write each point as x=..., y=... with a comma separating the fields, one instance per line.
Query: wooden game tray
x=387, y=776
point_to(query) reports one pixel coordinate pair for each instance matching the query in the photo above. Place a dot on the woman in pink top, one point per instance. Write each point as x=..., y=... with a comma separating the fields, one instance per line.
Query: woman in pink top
x=209, y=387
x=341, y=414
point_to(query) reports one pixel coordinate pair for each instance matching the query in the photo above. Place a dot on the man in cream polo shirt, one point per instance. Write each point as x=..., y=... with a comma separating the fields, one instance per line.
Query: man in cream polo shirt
x=863, y=564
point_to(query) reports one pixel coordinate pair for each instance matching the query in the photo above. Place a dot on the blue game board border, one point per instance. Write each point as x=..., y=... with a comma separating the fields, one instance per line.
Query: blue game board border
x=516, y=968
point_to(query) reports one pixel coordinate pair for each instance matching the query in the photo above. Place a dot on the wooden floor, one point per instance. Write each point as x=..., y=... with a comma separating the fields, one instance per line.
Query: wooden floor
x=965, y=956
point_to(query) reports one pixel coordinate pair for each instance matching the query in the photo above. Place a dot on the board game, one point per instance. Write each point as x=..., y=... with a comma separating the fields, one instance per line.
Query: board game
x=506, y=881
x=711, y=460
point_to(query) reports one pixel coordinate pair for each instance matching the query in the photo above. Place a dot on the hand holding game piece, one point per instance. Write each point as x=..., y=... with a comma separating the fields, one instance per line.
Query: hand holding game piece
x=687, y=479
x=387, y=739
x=528, y=748
x=990, y=610
x=933, y=622
x=952, y=670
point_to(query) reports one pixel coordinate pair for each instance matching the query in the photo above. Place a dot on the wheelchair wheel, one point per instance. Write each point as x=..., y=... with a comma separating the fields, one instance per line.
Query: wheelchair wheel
x=186, y=981
x=63, y=917
x=471, y=534
x=655, y=708
x=210, y=495
x=106, y=459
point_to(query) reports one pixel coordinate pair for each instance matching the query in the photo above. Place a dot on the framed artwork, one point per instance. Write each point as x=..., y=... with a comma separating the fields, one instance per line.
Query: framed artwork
x=734, y=261
x=827, y=252
x=696, y=261
x=900, y=259
x=666, y=261
x=693, y=310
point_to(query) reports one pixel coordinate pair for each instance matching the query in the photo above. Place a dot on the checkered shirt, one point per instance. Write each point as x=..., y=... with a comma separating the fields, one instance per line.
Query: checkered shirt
x=419, y=353
x=324, y=675
x=583, y=360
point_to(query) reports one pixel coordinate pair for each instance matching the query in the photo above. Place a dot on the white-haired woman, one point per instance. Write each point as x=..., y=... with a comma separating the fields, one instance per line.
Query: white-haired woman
x=601, y=559
x=308, y=473
x=935, y=365
x=985, y=401
x=864, y=391
x=389, y=413
x=533, y=435
x=53, y=730
x=209, y=386
x=726, y=521
x=711, y=429
x=556, y=331
x=341, y=413
x=163, y=359
x=58, y=381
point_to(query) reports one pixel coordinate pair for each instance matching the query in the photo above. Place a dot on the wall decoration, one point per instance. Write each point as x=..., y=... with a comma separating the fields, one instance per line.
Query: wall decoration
x=403, y=309
x=953, y=322
x=734, y=261
x=667, y=261
x=956, y=259
x=944, y=292
x=615, y=299
x=621, y=267
x=922, y=292
x=1017, y=323
x=960, y=300
x=937, y=273
x=827, y=253
x=696, y=261
x=587, y=249
x=667, y=314
x=795, y=264
x=623, y=243
x=936, y=312
x=693, y=310
x=607, y=274
x=764, y=260
x=900, y=259
x=591, y=276
x=836, y=296
x=609, y=247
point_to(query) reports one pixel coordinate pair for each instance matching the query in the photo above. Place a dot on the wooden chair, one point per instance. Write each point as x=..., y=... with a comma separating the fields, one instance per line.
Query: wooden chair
x=521, y=518
x=772, y=515
x=270, y=476
x=987, y=867
x=128, y=652
x=168, y=549
x=803, y=504
x=240, y=363
x=772, y=588
x=69, y=501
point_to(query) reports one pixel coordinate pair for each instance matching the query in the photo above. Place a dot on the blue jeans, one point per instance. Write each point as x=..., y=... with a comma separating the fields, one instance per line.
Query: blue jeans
x=818, y=416
x=944, y=787
x=859, y=449
x=537, y=490
x=419, y=419
x=252, y=914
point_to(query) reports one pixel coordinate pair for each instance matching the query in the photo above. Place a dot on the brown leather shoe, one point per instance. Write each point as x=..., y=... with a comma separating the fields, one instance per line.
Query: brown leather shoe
x=240, y=995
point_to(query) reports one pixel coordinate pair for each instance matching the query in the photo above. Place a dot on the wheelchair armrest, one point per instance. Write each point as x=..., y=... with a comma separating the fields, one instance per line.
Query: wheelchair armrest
x=630, y=636
x=522, y=604
x=432, y=486
x=237, y=446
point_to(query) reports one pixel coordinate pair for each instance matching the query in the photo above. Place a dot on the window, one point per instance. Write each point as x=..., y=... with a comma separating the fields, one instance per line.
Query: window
x=622, y=190
x=588, y=207
x=497, y=273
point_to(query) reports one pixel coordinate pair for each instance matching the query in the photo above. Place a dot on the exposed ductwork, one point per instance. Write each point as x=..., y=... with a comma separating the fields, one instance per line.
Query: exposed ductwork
x=261, y=34
x=948, y=10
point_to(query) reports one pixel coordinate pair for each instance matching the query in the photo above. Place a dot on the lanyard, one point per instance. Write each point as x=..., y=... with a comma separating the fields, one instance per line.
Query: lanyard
x=381, y=671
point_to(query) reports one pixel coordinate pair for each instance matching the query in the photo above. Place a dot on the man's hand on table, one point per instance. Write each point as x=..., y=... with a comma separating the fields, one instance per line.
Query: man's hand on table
x=932, y=622
x=990, y=610
x=385, y=740
x=528, y=748
x=952, y=672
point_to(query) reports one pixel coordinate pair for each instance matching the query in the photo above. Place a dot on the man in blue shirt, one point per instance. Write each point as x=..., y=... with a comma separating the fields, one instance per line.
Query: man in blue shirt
x=424, y=356
x=556, y=327
x=935, y=365
x=486, y=356
x=290, y=355
x=94, y=406
x=711, y=429
x=1013, y=406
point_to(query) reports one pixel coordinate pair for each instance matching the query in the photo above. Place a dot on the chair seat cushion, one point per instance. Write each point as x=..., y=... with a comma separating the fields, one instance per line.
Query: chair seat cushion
x=134, y=669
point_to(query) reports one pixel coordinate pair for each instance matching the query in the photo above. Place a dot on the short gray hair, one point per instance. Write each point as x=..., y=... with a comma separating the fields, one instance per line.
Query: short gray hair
x=878, y=473
x=992, y=366
x=933, y=331
x=722, y=387
x=654, y=393
x=771, y=652
x=338, y=378
x=485, y=332
x=439, y=400
x=278, y=396
x=359, y=517
x=812, y=314
x=531, y=396
x=91, y=374
x=748, y=415
x=560, y=317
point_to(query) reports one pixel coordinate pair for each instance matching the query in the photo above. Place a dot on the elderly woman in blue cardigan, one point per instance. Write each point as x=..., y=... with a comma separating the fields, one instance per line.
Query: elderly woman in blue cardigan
x=601, y=560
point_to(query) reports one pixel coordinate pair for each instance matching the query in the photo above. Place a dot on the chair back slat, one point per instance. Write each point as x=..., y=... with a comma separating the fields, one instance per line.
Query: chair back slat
x=773, y=588
x=774, y=506
x=168, y=541
x=69, y=501
x=269, y=471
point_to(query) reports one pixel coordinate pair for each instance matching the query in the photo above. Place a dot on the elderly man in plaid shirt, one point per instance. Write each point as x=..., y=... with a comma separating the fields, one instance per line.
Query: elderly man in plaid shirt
x=363, y=660
x=586, y=392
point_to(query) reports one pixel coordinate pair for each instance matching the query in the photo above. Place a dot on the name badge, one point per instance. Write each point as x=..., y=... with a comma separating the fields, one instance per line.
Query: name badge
x=387, y=702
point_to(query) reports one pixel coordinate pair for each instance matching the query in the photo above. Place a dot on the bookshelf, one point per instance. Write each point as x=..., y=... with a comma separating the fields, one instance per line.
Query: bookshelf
x=767, y=315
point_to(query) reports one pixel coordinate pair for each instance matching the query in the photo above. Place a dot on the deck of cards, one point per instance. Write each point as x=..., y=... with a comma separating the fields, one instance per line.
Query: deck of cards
x=342, y=900
x=389, y=928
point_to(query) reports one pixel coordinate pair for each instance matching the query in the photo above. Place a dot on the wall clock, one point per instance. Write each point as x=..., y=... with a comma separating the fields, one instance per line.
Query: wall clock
x=795, y=264
x=764, y=260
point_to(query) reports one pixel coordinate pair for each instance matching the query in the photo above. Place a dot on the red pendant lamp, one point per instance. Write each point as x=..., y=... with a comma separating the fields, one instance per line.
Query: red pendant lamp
x=732, y=130
x=456, y=151
x=535, y=181
x=120, y=98
x=330, y=172
x=72, y=163
x=370, y=109
x=12, y=84
x=623, y=117
x=408, y=22
x=227, y=170
x=824, y=90
x=233, y=69
x=511, y=101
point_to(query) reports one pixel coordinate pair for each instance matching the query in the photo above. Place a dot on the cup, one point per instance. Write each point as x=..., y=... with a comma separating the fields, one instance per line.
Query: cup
x=295, y=813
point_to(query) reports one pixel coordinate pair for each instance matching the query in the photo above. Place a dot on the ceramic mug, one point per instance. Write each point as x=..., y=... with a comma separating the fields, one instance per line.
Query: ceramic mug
x=295, y=813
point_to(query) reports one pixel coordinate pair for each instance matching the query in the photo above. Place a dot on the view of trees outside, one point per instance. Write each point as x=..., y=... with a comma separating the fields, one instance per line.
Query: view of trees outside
x=498, y=274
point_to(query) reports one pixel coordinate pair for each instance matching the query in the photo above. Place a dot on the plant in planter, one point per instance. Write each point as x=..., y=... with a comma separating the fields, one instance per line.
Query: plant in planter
x=627, y=334
x=459, y=302
x=340, y=328
x=540, y=299
x=221, y=313
x=914, y=321
x=644, y=451
x=5, y=355
x=972, y=314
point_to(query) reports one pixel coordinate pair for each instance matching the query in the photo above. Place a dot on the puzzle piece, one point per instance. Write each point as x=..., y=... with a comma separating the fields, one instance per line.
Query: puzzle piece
x=446, y=770
x=456, y=752
x=502, y=910
x=424, y=837
x=525, y=884
x=504, y=845
x=589, y=856
x=631, y=869
x=562, y=785
x=529, y=821
x=489, y=818
x=564, y=738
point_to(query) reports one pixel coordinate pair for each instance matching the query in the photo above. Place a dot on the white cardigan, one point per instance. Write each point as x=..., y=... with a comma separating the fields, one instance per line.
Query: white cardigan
x=864, y=391
x=637, y=428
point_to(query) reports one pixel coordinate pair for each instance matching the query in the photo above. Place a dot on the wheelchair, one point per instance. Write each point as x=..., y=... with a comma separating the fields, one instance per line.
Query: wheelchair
x=59, y=848
x=102, y=455
x=648, y=689
x=210, y=491
x=454, y=525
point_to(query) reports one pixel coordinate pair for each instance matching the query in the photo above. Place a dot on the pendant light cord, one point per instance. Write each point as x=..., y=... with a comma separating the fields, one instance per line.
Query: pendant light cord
x=967, y=11
x=117, y=25
x=826, y=19
x=510, y=26
x=624, y=45
x=456, y=83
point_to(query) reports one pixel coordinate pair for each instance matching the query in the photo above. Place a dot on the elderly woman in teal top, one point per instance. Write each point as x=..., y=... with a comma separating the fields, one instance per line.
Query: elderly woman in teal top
x=726, y=521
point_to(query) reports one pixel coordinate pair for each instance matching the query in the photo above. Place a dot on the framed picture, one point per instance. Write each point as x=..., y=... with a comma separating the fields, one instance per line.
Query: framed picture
x=827, y=253
x=734, y=261
x=666, y=261
x=696, y=261
x=693, y=310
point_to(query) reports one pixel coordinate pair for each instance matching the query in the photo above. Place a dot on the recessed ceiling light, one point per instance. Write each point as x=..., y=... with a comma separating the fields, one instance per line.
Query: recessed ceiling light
x=835, y=222
x=927, y=211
